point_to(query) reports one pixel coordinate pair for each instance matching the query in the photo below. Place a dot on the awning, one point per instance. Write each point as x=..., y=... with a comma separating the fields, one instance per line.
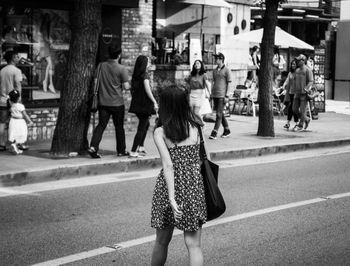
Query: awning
x=121, y=3
x=282, y=39
x=217, y=3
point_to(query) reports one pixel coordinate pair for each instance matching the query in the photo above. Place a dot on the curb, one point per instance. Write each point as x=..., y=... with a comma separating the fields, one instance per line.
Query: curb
x=111, y=165
x=260, y=151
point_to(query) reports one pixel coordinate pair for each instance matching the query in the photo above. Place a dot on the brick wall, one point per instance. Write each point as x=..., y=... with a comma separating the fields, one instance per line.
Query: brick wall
x=136, y=32
x=44, y=120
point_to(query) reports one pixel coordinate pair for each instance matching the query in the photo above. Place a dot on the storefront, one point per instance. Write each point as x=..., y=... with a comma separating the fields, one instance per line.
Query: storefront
x=40, y=32
x=187, y=30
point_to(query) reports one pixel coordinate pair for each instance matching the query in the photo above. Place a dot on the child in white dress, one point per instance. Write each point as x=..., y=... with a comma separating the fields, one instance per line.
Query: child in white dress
x=18, y=130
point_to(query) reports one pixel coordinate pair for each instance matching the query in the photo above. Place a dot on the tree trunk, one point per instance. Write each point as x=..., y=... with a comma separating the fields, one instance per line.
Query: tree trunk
x=70, y=133
x=266, y=124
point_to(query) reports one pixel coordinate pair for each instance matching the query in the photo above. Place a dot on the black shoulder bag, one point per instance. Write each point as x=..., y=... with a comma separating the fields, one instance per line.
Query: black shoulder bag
x=210, y=171
x=94, y=102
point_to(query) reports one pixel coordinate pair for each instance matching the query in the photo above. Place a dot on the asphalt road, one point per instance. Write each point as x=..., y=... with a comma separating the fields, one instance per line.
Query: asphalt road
x=48, y=221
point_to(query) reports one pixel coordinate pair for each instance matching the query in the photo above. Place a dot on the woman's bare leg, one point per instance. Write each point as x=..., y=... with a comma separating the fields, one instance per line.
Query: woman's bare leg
x=195, y=110
x=193, y=244
x=160, y=250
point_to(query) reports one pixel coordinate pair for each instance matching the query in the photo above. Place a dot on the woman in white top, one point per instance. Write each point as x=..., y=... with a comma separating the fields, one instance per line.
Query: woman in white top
x=199, y=86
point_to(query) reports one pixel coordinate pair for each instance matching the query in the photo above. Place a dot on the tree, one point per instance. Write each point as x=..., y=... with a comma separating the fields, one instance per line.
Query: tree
x=70, y=133
x=266, y=123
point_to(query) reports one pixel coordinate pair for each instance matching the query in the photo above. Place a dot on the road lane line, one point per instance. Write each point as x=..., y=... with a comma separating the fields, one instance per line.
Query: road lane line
x=5, y=192
x=338, y=196
x=263, y=211
x=77, y=257
x=151, y=238
x=76, y=182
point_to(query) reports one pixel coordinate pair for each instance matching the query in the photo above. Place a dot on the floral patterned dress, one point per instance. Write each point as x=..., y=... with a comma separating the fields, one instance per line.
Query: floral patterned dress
x=189, y=192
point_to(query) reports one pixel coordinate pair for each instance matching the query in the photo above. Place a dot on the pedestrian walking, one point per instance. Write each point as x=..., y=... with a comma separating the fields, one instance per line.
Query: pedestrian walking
x=303, y=82
x=178, y=198
x=220, y=94
x=10, y=79
x=113, y=78
x=199, y=87
x=256, y=62
x=18, y=131
x=278, y=61
x=143, y=104
x=289, y=87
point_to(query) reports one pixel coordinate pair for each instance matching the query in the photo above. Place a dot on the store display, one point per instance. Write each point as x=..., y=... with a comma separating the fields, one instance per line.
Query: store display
x=319, y=78
x=41, y=37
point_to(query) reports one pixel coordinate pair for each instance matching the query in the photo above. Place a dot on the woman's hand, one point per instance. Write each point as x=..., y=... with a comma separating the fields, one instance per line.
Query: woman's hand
x=176, y=210
x=156, y=107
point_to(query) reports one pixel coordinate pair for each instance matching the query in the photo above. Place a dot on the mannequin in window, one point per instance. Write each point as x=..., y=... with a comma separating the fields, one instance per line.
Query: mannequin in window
x=45, y=41
x=48, y=80
x=48, y=77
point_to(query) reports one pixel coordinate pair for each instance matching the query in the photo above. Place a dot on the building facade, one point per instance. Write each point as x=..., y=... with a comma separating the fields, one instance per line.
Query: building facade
x=40, y=32
x=342, y=74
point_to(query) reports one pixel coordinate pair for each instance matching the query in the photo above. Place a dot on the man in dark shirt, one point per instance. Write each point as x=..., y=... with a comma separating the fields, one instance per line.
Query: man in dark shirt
x=113, y=77
x=220, y=93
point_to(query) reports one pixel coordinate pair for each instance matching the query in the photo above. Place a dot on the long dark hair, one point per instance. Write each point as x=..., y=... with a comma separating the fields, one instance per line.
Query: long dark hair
x=175, y=115
x=194, y=70
x=140, y=68
x=276, y=50
x=291, y=68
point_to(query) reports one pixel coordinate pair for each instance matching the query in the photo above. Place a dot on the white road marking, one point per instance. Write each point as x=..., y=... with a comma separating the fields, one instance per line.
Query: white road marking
x=10, y=192
x=31, y=189
x=151, y=238
x=76, y=182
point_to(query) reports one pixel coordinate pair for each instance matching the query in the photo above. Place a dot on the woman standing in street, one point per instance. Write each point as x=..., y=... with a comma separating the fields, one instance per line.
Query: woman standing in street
x=198, y=82
x=289, y=86
x=143, y=103
x=178, y=197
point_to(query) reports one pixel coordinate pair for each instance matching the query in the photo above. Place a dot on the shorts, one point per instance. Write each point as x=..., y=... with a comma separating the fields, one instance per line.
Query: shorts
x=4, y=114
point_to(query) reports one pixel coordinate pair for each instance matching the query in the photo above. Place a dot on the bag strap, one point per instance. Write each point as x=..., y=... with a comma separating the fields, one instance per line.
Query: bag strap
x=203, y=153
x=97, y=79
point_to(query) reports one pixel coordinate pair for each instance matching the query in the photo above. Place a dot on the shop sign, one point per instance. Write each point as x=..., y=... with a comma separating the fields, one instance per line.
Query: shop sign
x=319, y=78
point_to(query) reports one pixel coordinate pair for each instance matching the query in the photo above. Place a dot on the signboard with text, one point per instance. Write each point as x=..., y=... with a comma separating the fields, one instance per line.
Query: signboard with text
x=319, y=78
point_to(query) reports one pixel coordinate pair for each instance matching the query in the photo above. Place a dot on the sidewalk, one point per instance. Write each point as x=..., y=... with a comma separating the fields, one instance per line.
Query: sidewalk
x=35, y=165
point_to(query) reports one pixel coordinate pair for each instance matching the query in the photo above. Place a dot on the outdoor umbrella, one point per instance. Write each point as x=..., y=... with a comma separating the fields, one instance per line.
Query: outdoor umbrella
x=282, y=39
x=203, y=3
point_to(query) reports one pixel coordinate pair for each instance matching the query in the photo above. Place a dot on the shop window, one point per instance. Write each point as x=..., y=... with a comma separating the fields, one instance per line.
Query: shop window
x=41, y=37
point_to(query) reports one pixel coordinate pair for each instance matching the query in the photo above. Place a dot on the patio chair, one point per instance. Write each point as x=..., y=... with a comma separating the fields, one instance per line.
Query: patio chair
x=235, y=101
x=252, y=103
